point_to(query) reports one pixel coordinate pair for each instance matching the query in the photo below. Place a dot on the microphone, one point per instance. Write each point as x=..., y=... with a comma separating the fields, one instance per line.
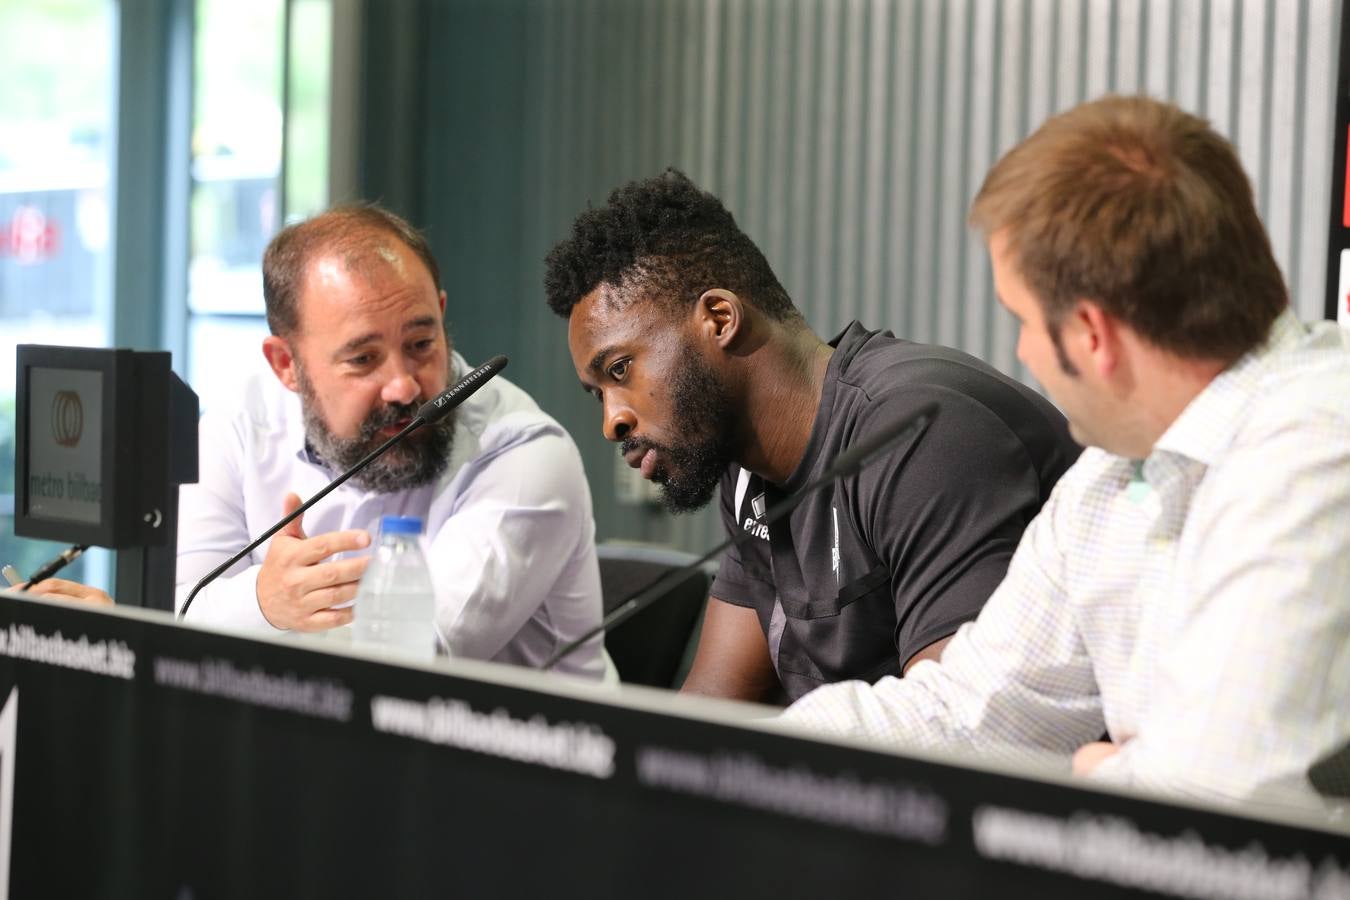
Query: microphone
x=67, y=556
x=846, y=463
x=433, y=410
x=1330, y=775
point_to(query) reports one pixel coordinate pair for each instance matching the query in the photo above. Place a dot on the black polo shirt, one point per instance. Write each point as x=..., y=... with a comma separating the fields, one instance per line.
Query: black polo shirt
x=870, y=570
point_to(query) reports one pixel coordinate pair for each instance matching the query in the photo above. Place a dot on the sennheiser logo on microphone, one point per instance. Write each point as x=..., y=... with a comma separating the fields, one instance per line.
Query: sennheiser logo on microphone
x=471, y=379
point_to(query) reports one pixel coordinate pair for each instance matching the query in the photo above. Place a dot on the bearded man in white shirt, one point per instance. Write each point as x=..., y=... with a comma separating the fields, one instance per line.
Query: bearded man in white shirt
x=358, y=343
x=1186, y=589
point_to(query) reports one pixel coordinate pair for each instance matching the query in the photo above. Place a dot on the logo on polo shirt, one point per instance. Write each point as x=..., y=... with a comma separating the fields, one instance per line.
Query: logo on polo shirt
x=755, y=525
x=752, y=523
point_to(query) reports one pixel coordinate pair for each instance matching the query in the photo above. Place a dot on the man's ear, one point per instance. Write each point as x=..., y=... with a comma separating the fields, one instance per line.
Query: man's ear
x=720, y=316
x=442, y=305
x=1096, y=338
x=277, y=351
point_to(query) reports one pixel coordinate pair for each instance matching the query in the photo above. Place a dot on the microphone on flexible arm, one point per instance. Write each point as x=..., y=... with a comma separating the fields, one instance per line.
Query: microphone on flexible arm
x=433, y=410
x=1330, y=774
x=851, y=460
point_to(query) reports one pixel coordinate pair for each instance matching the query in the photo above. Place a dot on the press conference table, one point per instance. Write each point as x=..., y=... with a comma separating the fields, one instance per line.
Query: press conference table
x=144, y=758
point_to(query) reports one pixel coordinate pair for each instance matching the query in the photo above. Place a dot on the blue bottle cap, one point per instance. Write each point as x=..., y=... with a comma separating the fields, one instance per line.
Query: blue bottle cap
x=401, y=525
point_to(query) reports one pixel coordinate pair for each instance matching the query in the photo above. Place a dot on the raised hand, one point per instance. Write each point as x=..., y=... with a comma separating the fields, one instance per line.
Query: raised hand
x=297, y=588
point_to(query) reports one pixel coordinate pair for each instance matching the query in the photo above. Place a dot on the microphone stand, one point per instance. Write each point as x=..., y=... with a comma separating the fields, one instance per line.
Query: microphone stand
x=850, y=460
x=63, y=559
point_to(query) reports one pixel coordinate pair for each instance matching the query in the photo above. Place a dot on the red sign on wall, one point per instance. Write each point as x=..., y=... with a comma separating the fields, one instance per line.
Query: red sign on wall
x=29, y=236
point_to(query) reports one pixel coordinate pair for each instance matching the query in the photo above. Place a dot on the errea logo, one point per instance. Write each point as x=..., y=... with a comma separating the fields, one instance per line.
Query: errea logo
x=752, y=523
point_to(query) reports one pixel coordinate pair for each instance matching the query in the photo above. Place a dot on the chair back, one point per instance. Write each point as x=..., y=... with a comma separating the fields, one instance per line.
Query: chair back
x=656, y=646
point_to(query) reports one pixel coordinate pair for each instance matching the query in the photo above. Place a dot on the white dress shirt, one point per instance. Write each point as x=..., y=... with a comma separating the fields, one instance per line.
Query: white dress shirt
x=1195, y=605
x=510, y=537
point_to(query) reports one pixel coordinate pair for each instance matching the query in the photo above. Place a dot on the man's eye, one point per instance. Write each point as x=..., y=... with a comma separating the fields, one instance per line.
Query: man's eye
x=425, y=345
x=362, y=360
x=619, y=369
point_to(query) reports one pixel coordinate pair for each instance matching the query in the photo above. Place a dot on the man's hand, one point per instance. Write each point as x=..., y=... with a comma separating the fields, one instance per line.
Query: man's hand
x=1089, y=756
x=296, y=588
x=67, y=590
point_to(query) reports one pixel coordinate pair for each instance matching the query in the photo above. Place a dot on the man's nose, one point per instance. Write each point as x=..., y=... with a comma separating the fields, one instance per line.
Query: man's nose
x=619, y=421
x=400, y=386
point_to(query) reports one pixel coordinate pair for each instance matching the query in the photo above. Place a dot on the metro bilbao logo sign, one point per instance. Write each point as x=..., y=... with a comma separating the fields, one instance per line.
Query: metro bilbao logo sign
x=67, y=418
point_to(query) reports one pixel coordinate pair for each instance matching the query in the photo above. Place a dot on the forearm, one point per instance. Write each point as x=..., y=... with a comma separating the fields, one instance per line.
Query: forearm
x=494, y=566
x=520, y=537
x=730, y=684
x=987, y=694
x=732, y=662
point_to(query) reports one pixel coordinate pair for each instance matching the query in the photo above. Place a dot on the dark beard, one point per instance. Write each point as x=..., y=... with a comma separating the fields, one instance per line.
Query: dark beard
x=418, y=459
x=690, y=472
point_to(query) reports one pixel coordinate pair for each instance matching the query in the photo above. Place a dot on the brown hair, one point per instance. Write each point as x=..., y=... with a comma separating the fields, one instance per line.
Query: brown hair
x=346, y=229
x=1144, y=209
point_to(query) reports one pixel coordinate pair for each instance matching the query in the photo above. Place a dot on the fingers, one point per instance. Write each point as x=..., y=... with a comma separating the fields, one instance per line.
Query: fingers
x=53, y=587
x=50, y=587
x=329, y=583
x=1087, y=757
x=291, y=591
x=341, y=571
x=299, y=582
x=296, y=527
x=316, y=549
x=69, y=590
x=324, y=619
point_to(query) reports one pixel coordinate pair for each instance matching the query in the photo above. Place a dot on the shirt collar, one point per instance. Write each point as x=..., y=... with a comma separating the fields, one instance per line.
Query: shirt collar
x=1207, y=425
x=850, y=340
x=846, y=345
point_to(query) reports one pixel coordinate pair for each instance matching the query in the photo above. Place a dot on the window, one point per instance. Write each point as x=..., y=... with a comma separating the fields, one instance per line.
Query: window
x=259, y=155
x=56, y=144
x=236, y=186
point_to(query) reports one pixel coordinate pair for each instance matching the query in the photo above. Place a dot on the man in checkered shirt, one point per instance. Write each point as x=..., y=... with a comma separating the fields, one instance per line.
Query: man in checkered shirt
x=1186, y=589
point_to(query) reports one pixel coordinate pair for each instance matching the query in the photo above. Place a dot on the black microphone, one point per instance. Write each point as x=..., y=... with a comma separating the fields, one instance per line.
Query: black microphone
x=433, y=410
x=846, y=463
x=65, y=558
x=1330, y=775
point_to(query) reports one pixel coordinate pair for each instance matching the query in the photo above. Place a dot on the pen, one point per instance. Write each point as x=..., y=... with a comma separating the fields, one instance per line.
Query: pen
x=63, y=559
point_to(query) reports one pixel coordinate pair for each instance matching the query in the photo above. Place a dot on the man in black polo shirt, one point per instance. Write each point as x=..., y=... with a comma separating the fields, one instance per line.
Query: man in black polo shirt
x=708, y=374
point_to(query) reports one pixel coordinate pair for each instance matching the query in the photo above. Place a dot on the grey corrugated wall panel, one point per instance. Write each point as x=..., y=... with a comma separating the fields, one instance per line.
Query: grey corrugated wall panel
x=848, y=137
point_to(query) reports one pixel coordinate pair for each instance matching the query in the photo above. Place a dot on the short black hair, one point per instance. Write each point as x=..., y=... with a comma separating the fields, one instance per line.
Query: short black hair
x=666, y=239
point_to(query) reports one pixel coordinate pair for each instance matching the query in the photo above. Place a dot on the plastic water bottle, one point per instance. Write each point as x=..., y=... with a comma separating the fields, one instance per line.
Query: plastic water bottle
x=395, y=603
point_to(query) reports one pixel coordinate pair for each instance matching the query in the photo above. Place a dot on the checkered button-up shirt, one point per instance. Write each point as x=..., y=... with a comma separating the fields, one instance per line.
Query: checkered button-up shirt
x=1195, y=605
